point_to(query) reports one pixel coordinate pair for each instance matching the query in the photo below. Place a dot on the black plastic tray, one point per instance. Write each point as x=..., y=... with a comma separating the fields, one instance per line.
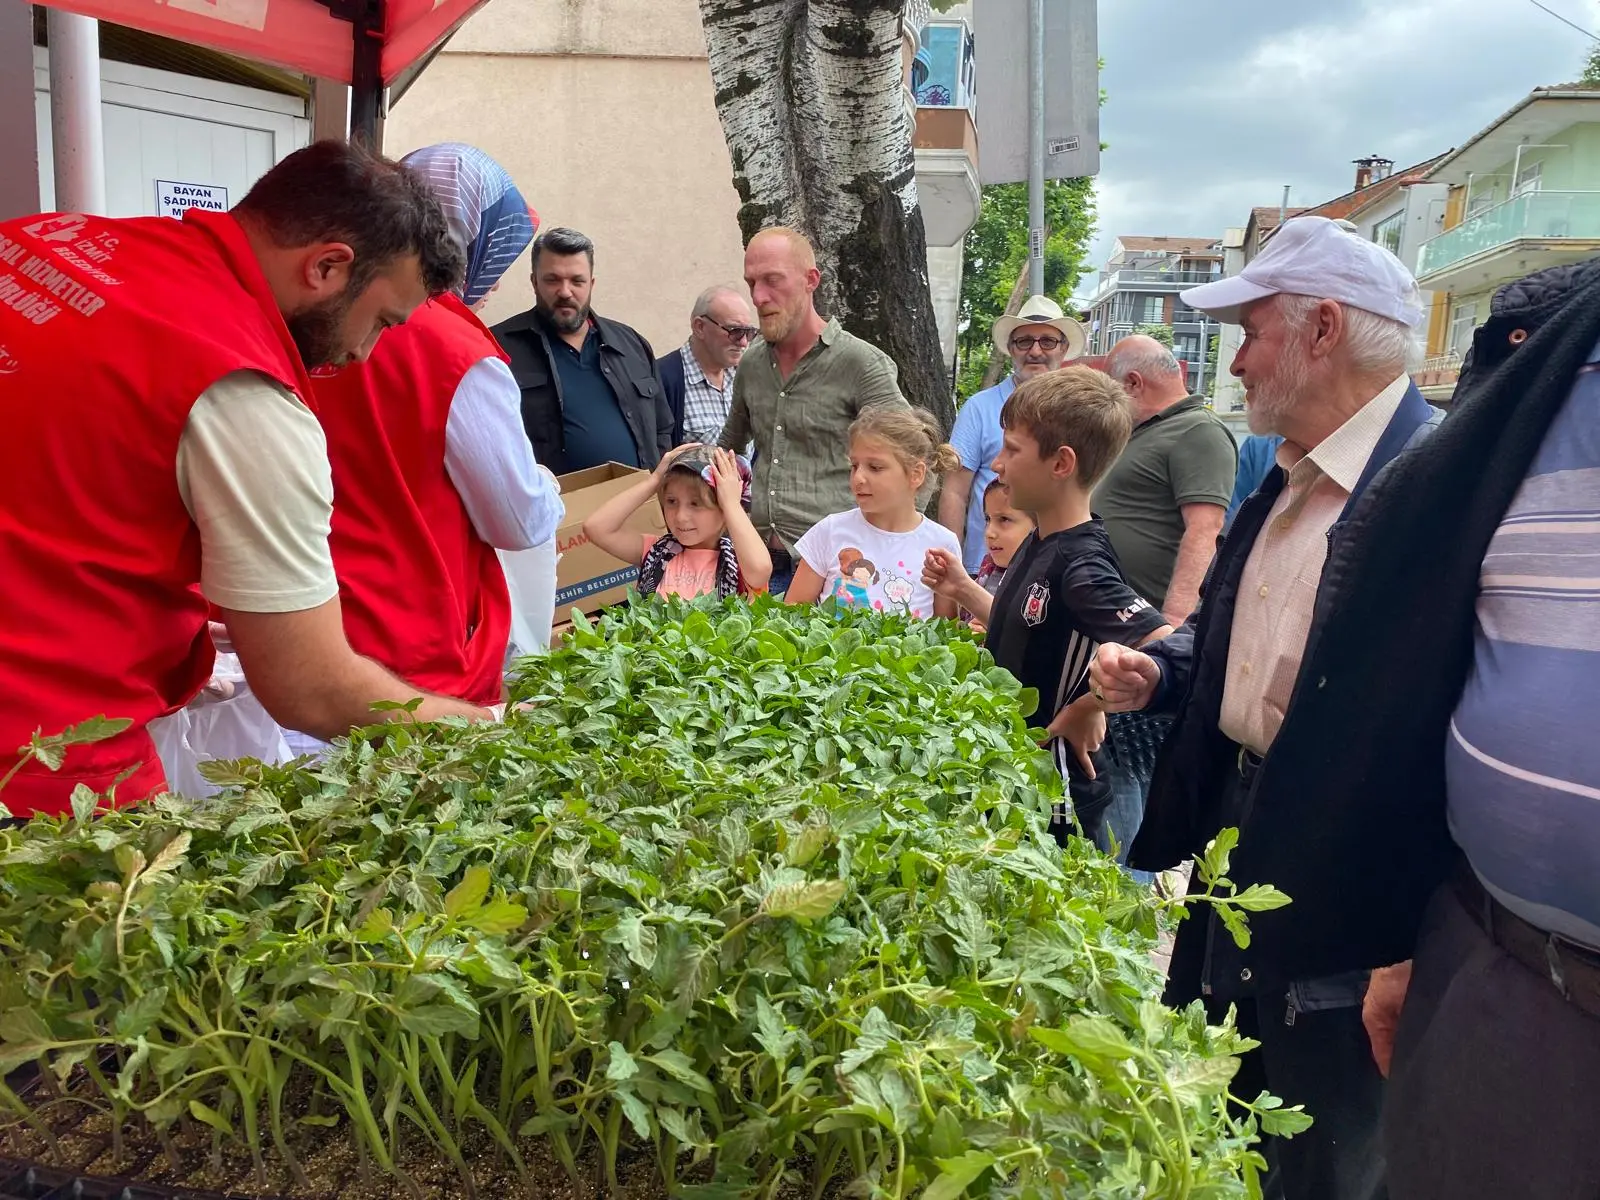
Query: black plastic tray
x=28, y=1181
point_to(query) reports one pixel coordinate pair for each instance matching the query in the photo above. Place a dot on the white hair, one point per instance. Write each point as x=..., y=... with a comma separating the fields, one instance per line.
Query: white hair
x=1375, y=343
x=702, y=304
x=1154, y=361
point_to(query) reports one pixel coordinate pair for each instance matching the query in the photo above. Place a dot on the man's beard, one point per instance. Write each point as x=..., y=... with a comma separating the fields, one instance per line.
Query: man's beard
x=776, y=327
x=1272, y=399
x=316, y=330
x=565, y=320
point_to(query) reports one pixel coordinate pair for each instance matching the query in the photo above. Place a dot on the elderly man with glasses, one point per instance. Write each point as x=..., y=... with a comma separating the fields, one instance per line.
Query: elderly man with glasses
x=1038, y=339
x=698, y=376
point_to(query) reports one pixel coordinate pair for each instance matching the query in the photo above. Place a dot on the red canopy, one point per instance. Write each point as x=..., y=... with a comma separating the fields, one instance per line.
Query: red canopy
x=302, y=35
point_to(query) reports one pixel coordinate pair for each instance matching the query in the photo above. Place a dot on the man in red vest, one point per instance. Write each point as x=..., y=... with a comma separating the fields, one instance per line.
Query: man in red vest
x=431, y=467
x=162, y=455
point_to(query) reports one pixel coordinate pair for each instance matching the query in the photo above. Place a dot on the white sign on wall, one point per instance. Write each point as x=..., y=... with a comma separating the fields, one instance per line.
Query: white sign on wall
x=174, y=199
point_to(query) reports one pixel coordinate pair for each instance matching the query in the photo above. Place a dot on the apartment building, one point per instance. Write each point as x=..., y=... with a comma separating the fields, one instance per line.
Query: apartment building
x=1522, y=194
x=1139, y=285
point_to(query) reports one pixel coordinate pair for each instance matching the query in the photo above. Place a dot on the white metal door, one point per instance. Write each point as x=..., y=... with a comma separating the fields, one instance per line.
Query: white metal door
x=160, y=125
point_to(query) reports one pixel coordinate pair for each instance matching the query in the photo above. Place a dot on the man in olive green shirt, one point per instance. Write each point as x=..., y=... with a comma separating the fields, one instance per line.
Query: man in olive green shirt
x=1164, y=500
x=800, y=386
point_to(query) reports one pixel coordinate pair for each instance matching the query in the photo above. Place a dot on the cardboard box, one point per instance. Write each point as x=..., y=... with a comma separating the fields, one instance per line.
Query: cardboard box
x=587, y=578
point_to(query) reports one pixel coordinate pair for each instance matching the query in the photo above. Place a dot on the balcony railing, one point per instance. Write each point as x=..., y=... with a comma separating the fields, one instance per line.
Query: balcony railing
x=1551, y=215
x=1130, y=278
x=1134, y=275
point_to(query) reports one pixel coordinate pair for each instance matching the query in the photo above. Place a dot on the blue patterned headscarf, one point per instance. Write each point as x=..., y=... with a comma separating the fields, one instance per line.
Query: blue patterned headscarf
x=487, y=213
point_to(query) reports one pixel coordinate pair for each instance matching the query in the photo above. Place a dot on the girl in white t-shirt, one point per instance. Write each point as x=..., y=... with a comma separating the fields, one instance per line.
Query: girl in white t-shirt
x=871, y=556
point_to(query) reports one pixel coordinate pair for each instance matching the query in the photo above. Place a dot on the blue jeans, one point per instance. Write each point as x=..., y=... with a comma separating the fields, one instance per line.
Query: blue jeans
x=1123, y=818
x=778, y=585
x=1132, y=741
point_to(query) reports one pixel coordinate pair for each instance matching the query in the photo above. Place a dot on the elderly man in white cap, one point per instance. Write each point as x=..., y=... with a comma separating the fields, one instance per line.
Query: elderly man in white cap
x=1329, y=326
x=1039, y=338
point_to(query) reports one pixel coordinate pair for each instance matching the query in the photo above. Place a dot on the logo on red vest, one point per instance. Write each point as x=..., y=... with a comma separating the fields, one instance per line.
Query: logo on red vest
x=1036, y=605
x=64, y=228
x=9, y=363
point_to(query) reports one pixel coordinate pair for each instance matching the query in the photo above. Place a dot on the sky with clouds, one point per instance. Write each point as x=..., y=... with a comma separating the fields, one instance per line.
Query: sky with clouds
x=1213, y=105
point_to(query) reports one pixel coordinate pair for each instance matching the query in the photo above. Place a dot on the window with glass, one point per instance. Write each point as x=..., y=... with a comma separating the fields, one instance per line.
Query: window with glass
x=1530, y=178
x=1386, y=233
x=1151, y=310
x=1463, y=320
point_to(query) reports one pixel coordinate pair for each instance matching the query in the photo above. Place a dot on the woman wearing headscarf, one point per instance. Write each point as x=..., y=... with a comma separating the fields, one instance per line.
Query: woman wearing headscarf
x=432, y=471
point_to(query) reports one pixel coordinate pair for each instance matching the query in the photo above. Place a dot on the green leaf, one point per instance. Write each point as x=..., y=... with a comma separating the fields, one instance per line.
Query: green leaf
x=1259, y=897
x=1235, y=923
x=490, y=964
x=497, y=918
x=634, y=1109
x=957, y=1174
x=137, y=1018
x=1285, y=1122
x=1089, y=1038
x=169, y=856
x=1197, y=1080
x=689, y=1133
x=210, y=1116
x=733, y=839
x=677, y=1064
x=1213, y=864
x=622, y=1065
x=877, y=1035
x=436, y=1020
x=84, y=801
x=24, y=1025
x=468, y=894
x=635, y=936
x=804, y=901
x=806, y=845
x=946, y=1139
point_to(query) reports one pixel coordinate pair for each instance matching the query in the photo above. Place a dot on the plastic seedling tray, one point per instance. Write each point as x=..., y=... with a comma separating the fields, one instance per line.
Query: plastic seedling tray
x=25, y=1181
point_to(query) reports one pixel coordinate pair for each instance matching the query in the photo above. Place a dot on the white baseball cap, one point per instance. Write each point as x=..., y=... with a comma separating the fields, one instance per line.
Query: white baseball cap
x=1313, y=256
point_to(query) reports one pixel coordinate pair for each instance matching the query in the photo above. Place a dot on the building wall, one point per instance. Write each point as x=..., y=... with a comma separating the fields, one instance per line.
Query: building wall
x=602, y=112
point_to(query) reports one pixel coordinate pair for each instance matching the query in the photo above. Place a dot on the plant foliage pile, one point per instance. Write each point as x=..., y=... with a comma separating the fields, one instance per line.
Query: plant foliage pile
x=763, y=894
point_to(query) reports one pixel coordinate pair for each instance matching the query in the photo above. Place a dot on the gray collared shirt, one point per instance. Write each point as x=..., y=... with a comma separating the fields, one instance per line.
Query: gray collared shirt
x=800, y=427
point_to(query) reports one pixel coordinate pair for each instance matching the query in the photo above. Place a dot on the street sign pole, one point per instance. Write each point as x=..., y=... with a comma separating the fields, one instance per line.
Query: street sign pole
x=1036, y=147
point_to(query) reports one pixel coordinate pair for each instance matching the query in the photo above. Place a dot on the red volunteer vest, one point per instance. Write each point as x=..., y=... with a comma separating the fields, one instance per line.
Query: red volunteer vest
x=422, y=593
x=109, y=332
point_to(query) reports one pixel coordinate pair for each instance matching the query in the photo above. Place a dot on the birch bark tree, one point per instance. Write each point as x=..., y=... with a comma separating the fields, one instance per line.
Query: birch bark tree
x=813, y=106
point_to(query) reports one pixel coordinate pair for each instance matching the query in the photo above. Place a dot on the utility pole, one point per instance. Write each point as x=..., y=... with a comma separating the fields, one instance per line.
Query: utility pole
x=1036, y=147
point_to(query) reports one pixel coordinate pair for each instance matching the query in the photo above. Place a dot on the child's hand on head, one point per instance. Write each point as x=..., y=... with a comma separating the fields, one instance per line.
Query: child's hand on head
x=729, y=484
x=672, y=456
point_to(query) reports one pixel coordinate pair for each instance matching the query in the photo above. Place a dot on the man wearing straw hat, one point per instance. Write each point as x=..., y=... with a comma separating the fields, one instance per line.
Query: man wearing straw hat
x=1039, y=338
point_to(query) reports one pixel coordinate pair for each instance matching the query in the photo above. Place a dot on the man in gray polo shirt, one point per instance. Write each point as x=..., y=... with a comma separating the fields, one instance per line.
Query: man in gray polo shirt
x=1164, y=500
x=1163, y=503
x=801, y=385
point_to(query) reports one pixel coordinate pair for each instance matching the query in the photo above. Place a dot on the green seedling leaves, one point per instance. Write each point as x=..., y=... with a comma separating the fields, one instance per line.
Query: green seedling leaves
x=804, y=901
x=750, y=892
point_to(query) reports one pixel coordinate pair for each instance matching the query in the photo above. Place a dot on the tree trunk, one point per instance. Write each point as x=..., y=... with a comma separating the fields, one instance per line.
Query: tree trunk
x=813, y=105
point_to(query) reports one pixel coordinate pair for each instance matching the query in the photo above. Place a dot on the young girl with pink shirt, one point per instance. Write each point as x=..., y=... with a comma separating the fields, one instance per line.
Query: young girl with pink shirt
x=710, y=548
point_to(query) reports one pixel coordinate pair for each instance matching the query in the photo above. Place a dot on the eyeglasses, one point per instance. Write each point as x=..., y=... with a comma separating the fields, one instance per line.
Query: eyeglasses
x=1028, y=343
x=739, y=333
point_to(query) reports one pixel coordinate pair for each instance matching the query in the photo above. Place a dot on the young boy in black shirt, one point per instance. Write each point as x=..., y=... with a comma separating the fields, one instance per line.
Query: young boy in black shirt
x=1064, y=593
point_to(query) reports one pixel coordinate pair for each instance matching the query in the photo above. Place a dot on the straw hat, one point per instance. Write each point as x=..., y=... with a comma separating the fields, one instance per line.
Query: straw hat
x=1040, y=310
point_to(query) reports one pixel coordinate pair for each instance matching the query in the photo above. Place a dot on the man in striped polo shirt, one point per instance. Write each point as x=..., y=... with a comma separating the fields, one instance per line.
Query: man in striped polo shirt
x=1495, y=1070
